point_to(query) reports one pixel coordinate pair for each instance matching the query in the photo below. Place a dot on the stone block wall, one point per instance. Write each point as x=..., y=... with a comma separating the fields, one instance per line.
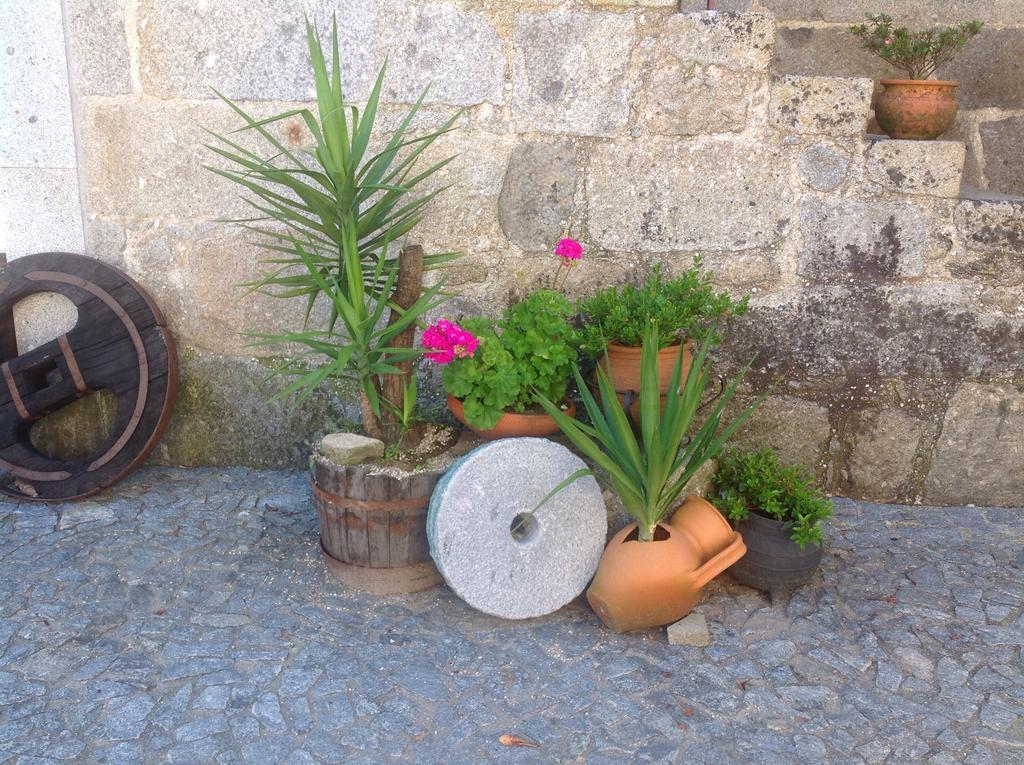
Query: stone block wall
x=889, y=308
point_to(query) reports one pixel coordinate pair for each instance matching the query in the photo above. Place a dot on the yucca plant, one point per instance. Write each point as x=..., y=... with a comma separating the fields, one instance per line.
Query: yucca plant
x=649, y=472
x=327, y=218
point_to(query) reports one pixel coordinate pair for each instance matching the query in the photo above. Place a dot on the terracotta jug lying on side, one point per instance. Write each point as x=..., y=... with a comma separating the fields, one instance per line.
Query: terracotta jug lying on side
x=646, y=584
x=704, y=524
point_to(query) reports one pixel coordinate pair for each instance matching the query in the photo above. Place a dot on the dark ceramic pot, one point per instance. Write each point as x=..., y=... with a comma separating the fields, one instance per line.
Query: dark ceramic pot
x=773, y=562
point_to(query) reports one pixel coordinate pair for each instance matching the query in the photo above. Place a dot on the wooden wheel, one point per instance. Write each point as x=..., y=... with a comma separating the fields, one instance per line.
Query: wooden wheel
x=120, y=343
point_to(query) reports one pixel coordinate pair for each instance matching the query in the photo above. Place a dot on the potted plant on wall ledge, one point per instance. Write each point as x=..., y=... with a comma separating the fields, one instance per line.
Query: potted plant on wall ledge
x=917, y=108
x=329, y=217
x=615, y=322
x=779, y=511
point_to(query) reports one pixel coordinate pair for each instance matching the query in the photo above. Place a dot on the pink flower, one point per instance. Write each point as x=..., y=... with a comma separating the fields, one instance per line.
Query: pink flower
x=448, y=342
x=569, y=249
x=887, y=41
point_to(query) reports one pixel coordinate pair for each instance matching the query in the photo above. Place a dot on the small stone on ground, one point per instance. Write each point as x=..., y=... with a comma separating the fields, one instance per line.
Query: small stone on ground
x=692, y=629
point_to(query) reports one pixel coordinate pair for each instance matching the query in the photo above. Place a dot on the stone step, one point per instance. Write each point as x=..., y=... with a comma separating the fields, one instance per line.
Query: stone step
x=984, y=195
x=990, y=222
x=931, y=168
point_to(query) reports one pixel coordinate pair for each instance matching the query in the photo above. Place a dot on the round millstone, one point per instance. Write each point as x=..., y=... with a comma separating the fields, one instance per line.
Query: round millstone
x=492, y=552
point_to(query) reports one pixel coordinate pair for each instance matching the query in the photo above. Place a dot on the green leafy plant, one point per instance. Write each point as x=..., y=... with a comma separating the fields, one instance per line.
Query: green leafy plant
x=919, y=54
x=649, y=472
x=528, y=350
x=327, y=218
x=757, y=482
x=685, y=307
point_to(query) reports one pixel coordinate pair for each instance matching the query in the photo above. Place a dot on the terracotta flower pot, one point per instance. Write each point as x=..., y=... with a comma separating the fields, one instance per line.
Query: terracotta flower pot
x=646, y=584
x=512, y=424
x=774, y=562
x=622, y=363
x=919, y=110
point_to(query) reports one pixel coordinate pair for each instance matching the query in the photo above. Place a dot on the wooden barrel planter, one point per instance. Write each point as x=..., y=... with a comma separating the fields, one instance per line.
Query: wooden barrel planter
x=373, y=528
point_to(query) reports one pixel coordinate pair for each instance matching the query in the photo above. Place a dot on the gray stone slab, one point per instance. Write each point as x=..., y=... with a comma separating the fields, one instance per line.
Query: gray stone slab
x=538, y=195
x=98, y=45
x=875, y=242
x=36, y=103
x=798, y=430
x=664, y=206
x=692, y=629
x=882, y=458
x=256, y=51
x=511, y=571
x=1004, y=160
x=991, y=225
x=458, y=54
x=350, y=448
x=833, y=106
x=735, y=41
x=685, y=100
x=823, y=167
x=41, y=211
x=932, y=168
x=990, y=68
x=982, y=443
x=145, y=158
x=246, y=50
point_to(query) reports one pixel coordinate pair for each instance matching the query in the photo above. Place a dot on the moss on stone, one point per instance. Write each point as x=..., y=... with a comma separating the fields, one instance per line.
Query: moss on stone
x=226, y=414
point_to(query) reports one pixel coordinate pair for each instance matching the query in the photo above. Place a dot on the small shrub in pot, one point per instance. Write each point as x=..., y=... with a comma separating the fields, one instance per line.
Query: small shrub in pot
x=778, y=510
x=919, y=107
x=683, y=308
x=615, y=321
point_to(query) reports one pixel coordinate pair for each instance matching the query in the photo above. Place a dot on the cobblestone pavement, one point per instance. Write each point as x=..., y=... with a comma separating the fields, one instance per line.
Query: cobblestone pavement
x=186, y=617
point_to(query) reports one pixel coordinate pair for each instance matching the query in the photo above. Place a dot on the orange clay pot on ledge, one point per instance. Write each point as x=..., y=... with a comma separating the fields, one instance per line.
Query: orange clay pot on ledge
x=917, y=110
x=640, y=585
x=513, y=424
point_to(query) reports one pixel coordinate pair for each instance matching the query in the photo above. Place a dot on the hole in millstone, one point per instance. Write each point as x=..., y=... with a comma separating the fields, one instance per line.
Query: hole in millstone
x=78, y=430
x=524, y=527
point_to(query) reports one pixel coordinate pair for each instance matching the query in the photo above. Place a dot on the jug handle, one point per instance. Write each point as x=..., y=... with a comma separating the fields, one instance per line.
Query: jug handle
x=736, y=550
